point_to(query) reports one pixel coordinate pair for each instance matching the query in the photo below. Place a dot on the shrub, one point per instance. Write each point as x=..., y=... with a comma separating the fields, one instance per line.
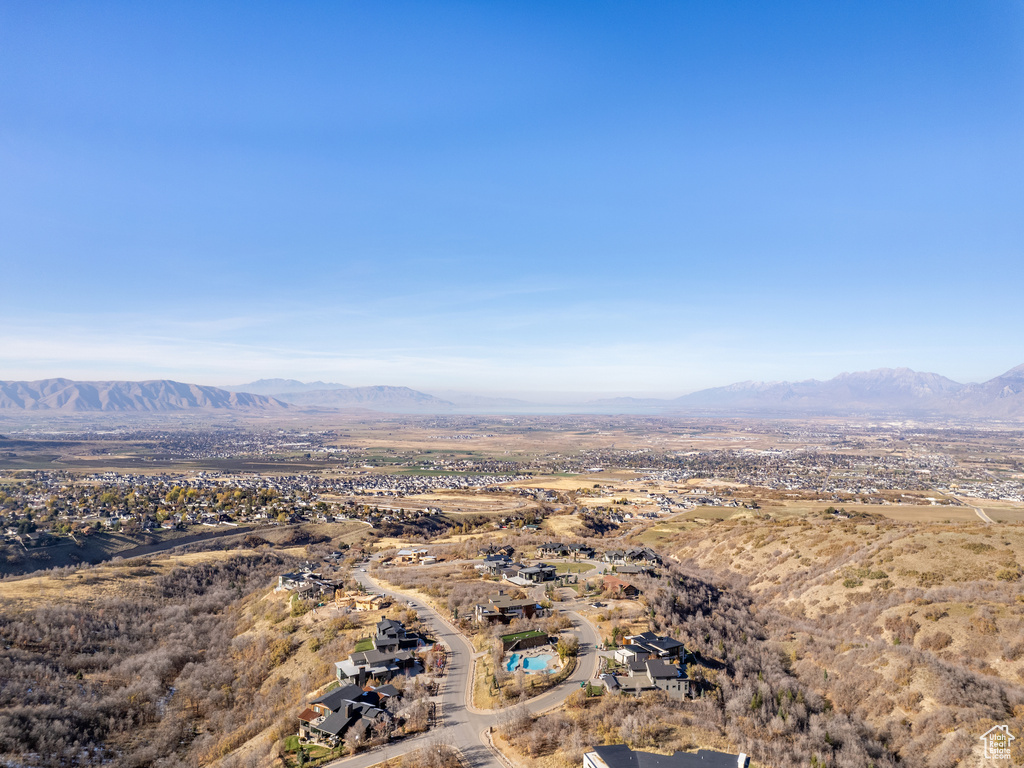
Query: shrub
x=977, y=547
x=936, y=642
x=1008, y=574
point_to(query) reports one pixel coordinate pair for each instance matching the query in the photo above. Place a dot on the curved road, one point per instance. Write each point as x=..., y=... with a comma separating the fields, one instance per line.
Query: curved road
x=460, y=724
x=977, y=510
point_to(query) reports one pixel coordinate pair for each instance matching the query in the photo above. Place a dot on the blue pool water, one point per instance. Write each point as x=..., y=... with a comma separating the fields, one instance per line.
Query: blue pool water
x=538, y=663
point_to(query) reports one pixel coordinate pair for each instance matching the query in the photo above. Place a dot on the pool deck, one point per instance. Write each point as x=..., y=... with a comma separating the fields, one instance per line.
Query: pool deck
x=551, y=666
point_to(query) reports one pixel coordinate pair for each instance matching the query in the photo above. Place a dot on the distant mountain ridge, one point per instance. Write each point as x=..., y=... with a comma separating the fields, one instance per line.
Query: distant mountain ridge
x=275, y=387
x=881, y=391
x=884, y=392
x=396, y=399
x=155, y=396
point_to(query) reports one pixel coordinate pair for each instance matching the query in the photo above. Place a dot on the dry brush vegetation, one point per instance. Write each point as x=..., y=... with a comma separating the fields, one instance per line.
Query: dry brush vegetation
x=910, y=629
x=165, y=662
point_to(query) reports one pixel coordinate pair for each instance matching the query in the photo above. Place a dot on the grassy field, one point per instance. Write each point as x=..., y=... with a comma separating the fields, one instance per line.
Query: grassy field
x=913, y=513
x=121, y=578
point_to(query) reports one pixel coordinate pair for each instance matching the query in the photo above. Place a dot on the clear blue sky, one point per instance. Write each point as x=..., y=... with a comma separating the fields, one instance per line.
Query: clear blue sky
x=608, y=197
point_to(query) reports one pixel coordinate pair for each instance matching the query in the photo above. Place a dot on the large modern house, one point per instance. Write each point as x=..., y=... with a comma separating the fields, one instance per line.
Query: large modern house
x=503, y=608
x=656, y=646
x=392, y=655
x=347, y=713
x=527, y=576
x=650, y=675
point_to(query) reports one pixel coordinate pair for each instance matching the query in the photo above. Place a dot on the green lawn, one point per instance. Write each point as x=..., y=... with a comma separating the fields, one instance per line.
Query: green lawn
x=521, y=635
x=366, y=644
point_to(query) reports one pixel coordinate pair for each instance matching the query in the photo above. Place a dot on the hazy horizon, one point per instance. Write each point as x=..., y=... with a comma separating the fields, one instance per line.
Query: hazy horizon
x=532, y=396
x=571, y=198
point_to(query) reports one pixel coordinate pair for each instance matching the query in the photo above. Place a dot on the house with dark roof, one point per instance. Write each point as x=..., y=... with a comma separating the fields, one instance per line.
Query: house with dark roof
x=660, y=646
x=630, y=653
x=391, y=636
x=494, y=563
x=621, y=756
x=552, y=549
x=581, y=551
x=362, y=666
x=650, y=675
x=502, y=608
x=533, y=574
x=506, y=550
x=347, y=713
x=643, y=555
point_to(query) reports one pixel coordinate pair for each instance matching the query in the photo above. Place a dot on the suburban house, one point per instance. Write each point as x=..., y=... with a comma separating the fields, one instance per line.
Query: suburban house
x=529, y=575
x=361, y=601
x=371, y=602
x=512, y=569
x=621, y=756
x=552, y=549
x=494, y=564
x=391, y=636
x=581, y=551
x=347, y=713
x=627, y=654
x=503, y=608
x=306, y=583
x=362, y=666
x=650, y=675
x=506, y=550
x=659, y=646
x=643, y=555
x=392, y=655
x=411, y=555
x=618, y=587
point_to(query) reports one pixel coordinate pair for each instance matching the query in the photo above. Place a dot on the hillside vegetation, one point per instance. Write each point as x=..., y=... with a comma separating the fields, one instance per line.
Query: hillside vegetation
x=165, y=662
x=913, y=629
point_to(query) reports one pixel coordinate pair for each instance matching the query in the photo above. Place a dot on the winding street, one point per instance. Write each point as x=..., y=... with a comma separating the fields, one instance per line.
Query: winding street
x=460, y=724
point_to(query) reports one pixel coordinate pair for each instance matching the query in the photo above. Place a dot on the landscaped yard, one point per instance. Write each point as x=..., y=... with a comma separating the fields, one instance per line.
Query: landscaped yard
x=313, y=755
x=521, y=635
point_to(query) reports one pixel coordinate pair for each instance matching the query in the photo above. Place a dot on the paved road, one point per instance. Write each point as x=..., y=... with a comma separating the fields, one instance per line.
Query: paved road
x=460, y=724
x=981, y=513
x=977, y=510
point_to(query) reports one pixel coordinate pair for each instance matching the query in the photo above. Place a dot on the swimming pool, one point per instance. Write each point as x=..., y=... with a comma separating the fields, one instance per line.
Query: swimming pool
x=538, y=663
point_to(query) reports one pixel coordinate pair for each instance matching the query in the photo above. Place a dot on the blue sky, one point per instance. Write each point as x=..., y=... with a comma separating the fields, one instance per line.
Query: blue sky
x=603, y=197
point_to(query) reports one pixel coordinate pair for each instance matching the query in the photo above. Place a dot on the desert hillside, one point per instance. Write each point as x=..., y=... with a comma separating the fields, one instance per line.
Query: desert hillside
x=915, y=628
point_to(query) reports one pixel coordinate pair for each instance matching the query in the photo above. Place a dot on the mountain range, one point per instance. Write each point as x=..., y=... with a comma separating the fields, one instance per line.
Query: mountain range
x=126, y=397
x=276, y=387
x=885, y=392
x=392, y=399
